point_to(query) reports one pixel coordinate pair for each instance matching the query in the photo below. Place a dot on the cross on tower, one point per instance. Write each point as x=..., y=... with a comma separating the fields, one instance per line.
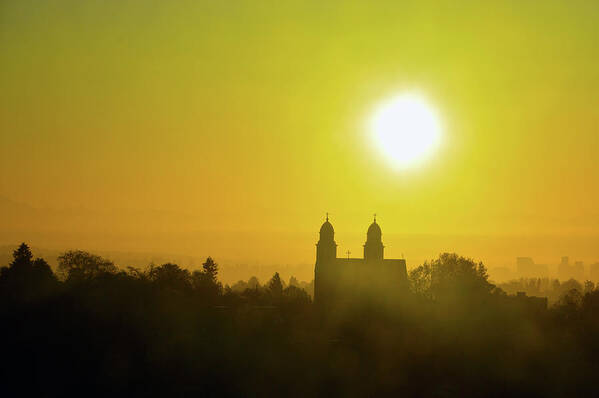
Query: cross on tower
x=374, y=217
x=327, y=216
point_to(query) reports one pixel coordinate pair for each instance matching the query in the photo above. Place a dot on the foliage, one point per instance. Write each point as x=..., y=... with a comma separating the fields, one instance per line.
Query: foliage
x=210, y=270
x=78, y=265
x=275, y=285
x=206, y=283
x=450, y=275
x=26, y=278
x=170, y=276
x=22, y=257
x=164, y=331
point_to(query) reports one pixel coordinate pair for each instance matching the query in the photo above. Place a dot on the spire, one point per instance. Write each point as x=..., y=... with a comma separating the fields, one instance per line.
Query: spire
x=375, y=218
x=327, y=216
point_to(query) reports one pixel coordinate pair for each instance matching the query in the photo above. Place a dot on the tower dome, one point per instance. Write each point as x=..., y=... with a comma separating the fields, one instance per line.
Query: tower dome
x=326, y=248
x=373, y=249
x=374, y=232
x=326, y=230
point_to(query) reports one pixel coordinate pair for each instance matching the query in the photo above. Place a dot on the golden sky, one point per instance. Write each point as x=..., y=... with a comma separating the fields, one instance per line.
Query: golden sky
x=230, y=127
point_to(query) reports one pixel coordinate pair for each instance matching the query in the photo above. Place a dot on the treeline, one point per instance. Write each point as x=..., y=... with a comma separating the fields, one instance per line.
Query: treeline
x=92, y=329
x=26, y=279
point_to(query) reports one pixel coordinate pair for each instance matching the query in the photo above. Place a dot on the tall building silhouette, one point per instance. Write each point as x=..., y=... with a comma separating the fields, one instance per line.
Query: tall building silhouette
x=594, y=272
x=342, y=280
x=566, y=271
x=563, y=269
x=527, y=268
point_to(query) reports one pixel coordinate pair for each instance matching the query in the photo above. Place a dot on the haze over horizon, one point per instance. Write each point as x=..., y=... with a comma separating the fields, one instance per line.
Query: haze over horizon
x=165, y=237
x=230, y=129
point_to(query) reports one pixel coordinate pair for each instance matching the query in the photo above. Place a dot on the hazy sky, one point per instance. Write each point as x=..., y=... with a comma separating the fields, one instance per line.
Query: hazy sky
x=229, y=127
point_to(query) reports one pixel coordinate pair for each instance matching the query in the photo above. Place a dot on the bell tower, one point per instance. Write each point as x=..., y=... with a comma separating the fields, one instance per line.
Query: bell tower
x=324, y=271
x=373, y=248
x=326, y=248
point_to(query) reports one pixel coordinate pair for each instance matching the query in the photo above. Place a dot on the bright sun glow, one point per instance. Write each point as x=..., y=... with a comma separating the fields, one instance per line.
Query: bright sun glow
x=406, y=129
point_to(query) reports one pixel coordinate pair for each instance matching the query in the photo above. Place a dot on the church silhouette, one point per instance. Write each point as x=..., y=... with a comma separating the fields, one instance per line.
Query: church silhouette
x=343, y=280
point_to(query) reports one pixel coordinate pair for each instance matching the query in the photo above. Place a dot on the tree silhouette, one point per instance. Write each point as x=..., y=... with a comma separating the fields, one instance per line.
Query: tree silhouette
x=253, y=283
x=450, y=275
x=589, y=286
x=22, y=257
x=239, y=286
x=210, y=269
x=275, y=285
x=296, y=295
x=293, y=281
x=206, y=283
x=77, y=265
x=171, y=276
x=25, y=279
x=41, y=272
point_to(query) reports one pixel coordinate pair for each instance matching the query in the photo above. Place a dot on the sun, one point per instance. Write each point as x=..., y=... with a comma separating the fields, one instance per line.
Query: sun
x=406, y=129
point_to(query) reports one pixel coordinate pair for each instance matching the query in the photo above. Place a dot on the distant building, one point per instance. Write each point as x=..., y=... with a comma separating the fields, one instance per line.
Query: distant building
x=526, y=268
x=563, y=269
x=594, y=272
x=566, y=271
x=342, y=280
x=578, y=271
